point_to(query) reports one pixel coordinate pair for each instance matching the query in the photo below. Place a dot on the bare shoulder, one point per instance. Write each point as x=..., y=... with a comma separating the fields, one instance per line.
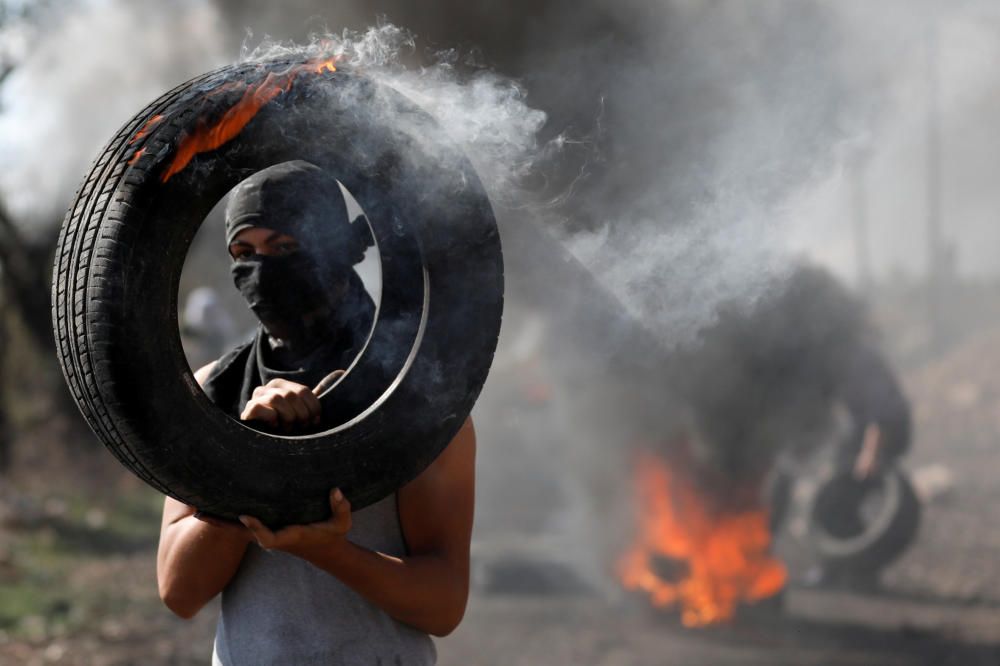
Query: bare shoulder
x=463, y=443
x=451, y=475
x=458, y=458
x=202, y=373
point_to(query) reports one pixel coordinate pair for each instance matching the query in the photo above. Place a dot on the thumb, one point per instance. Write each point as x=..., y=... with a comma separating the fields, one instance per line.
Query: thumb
x=328, y=381
x=340, y=508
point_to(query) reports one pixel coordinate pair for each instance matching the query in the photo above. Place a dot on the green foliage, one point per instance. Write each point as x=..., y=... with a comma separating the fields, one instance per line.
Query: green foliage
x=55, y=571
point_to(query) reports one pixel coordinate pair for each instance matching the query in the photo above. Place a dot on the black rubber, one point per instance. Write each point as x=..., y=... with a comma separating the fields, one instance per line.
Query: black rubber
x=876, y=543
x=118, y=264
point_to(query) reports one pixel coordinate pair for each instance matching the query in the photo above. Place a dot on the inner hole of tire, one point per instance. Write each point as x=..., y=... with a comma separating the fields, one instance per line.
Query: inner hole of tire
x=336, y=294
x=849, y=508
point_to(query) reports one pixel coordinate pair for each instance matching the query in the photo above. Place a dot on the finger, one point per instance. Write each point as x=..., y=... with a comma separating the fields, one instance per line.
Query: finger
x=283, y=385
x=279, y=383
x=328, y=381
x=294, y=400
x=341, y=510
x=286, y=412
x=312, y=404
x=871, y=436
x=862, y=470
x=299, y=399
x=288, y=536
x=260, y=412
x=264, y=536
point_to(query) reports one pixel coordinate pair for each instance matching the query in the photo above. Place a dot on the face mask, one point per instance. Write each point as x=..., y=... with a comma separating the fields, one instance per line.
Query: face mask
x=281, y=291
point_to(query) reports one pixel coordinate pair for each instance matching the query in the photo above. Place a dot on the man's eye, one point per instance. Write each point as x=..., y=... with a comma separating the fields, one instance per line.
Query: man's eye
x=288, y=248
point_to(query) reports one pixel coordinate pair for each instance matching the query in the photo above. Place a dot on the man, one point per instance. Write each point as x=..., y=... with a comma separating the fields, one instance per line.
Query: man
x=361, y=588
x=766, y=381
x=206, y=327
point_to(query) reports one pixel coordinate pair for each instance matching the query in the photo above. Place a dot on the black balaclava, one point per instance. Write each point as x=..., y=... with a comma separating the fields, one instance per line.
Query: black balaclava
x=296, y=296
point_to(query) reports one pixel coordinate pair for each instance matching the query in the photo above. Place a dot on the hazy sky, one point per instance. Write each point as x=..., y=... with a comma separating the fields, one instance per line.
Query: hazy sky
x=895, y=175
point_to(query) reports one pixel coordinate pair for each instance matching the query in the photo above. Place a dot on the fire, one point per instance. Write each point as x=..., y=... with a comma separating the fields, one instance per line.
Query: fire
x=722, y=556
x=211, y=135
x=150, y=124
x=328, y=65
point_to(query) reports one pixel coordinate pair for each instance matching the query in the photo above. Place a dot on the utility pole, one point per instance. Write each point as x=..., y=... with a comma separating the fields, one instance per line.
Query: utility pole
x=936, y=251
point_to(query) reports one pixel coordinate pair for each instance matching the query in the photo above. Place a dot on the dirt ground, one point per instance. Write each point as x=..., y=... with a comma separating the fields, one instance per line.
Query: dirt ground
x=78, y=539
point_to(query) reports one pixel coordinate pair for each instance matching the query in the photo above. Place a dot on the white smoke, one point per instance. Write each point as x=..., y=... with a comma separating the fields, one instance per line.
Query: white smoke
x=486, y=114
x=79, y=75
x=841, y=88
x=703, y=232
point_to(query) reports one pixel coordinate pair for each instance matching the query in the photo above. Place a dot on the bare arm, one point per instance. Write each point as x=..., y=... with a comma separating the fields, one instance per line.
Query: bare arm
x=196, y=558
x=428, y=588
x=880, y=410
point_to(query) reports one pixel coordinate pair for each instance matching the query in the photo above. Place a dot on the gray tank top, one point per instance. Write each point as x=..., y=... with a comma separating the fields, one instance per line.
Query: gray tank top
x=279, y=609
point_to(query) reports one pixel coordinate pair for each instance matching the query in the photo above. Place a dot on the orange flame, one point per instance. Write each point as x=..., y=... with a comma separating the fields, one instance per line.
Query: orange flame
x=150, y=124
x=206, y=137
x=135, y=158
x=725, y=553
x=210, y=137
x=327, y=65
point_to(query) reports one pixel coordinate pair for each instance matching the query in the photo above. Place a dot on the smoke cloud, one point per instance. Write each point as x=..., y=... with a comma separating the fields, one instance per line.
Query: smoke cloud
x=484, y=113
x=689, y=133
x=78, y=76
x=695, y=146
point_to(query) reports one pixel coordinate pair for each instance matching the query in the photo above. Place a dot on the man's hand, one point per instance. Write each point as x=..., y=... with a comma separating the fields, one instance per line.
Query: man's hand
x=283, y=403
x=303, y=540
x=867, y=462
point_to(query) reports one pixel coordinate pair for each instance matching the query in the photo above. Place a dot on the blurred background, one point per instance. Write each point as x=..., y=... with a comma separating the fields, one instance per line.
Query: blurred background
x=700, y=202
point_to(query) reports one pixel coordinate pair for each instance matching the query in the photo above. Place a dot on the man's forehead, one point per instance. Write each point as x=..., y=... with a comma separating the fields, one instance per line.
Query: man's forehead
x=261, y=235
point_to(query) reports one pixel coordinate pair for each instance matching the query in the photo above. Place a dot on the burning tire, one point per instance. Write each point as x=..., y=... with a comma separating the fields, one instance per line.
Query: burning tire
x=845, y=539
x=123, y=244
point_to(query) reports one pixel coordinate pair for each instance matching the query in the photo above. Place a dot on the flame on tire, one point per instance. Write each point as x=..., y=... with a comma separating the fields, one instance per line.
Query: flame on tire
x=721, y=557
x=210, y=135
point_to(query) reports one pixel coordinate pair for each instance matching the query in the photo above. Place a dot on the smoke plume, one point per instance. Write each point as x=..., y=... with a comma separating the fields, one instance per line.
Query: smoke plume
x=81, y=72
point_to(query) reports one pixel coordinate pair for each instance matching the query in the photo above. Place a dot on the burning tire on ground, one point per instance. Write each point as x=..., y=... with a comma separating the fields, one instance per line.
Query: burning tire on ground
x=850, y=536
x=123, y=244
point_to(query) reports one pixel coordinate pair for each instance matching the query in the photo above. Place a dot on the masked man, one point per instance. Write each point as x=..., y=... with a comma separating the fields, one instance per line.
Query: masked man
x=362, y=588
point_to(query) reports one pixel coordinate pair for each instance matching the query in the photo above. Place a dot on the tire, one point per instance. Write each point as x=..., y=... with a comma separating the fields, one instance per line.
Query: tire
x=123, y=244
x=882, y=540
